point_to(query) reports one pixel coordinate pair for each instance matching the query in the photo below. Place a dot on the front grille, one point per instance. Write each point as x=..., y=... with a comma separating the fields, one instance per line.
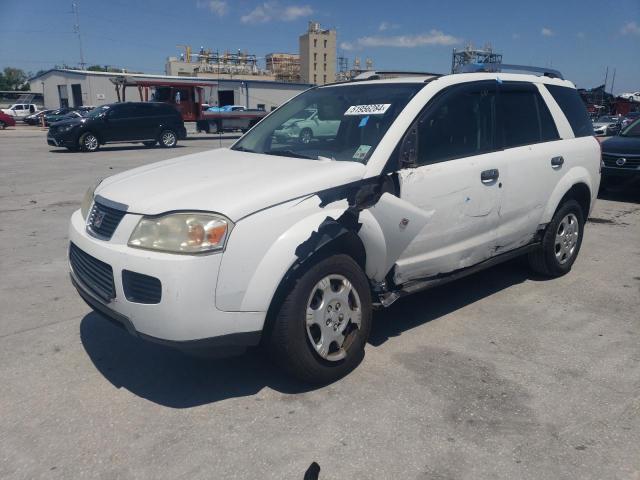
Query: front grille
x=104, y=220
x=141, y=288
x=93, y=273
x=631, y=163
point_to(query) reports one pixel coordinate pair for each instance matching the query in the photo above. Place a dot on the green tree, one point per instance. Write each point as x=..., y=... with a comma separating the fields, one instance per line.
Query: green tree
x=13, y=79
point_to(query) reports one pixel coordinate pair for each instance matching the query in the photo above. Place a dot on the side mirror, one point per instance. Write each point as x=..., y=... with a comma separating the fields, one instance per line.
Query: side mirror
x=408, y=149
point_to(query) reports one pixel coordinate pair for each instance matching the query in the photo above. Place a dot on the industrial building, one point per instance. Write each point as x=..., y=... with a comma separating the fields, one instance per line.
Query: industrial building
x=318, y=55
x=73, y=88
x=284, y=66
x=208, y=63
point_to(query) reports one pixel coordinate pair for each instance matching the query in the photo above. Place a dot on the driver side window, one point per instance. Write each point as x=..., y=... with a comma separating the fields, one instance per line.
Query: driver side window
x=460, y=123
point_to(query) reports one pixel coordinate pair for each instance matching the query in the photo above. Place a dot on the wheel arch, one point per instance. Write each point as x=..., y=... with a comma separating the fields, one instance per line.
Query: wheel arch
x=575, y=184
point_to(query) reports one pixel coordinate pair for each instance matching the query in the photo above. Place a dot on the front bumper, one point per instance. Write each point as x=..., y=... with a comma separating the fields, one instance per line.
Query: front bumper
x=186, y=315
x=61, y=140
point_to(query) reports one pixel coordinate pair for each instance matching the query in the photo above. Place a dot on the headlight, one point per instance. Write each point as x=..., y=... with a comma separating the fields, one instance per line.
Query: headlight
x=87, y=200
x=182, y=233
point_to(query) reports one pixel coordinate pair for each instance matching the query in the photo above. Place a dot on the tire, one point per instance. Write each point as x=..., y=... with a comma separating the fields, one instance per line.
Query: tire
x=306, y=135
x=2, y=125
x=561, y=241
x=315, y=351
x=150, y=144
x=88, y=142
x=168, y=139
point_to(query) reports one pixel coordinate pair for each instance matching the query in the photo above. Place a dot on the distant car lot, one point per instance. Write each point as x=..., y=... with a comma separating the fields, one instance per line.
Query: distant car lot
x=500, y=375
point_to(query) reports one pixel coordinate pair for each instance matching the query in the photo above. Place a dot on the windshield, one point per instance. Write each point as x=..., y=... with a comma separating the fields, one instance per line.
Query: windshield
x=96, y=112
x=347, y=124
x=632, y=130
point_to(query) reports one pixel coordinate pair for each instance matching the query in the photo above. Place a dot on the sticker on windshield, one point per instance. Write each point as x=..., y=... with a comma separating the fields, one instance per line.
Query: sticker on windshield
x=361, y=152
x=375, y=109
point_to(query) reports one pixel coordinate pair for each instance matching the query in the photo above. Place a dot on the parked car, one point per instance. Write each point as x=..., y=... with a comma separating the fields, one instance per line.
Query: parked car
x=6, y=121
x=292, y=245
x=36, y=118
x=19, y=110
x=57, y=115
x=307, y=128
x=607, y=125
x=131, y=122
x=629, y=118
x=634, y=97
x=621, y=154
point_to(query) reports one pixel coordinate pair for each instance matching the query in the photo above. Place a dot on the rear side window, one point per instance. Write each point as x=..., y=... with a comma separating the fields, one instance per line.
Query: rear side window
x=573, y=108
x=523, y=116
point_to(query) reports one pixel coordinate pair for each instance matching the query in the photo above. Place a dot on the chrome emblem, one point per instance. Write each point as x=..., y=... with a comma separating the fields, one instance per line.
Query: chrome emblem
x=97, y=219
x=621, y=161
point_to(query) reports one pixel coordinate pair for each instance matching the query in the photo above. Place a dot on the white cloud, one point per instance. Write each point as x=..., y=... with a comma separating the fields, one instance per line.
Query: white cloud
x=347, y=46
x=294, y=12
x=546, y=32
x=630, y=28
x=433, y=37
x=219, y=7
x=269, y=11
x=384, y=26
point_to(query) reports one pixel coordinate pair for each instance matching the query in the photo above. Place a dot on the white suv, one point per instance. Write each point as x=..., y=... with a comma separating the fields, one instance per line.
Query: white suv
x=293, y=244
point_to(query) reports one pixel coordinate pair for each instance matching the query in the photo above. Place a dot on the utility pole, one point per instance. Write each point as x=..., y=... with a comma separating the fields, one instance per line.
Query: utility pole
x=76, y=30
x=613, y=81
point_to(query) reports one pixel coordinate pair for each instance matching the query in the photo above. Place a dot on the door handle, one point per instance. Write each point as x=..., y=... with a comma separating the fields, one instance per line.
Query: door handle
x=489, y=176
x=557, y=162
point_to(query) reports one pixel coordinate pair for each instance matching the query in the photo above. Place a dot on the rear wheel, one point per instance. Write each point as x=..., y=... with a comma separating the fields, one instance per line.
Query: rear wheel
x=561, y=241
x=322, y=326
x=168, y=139
x=89, y=142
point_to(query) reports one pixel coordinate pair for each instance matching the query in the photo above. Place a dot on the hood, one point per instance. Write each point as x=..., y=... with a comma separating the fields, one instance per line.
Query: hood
x=619, y=144
x=66, y=121
x=225, y=181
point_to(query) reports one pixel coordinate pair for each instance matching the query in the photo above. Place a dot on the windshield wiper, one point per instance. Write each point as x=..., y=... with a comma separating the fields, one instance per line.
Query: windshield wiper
x=288, y=153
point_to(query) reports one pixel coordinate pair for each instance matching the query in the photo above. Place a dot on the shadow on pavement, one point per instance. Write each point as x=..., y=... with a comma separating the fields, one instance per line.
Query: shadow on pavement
x=172, y=378
x=111, y=148
x=175, y=379
x=420, y=308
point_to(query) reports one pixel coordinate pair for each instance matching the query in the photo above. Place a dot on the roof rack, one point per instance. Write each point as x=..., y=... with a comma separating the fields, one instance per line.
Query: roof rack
x=499, y=67
x=384, y=74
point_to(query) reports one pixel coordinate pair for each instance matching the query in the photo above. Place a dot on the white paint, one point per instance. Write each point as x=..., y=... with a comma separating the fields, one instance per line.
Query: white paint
x=445, y=218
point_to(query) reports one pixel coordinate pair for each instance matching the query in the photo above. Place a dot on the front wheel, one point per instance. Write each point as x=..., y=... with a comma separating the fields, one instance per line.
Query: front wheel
x=168, y=139
x=561, y=241
x=2, y=125
x=89, y=142
x=306, y=135
x=323, y=324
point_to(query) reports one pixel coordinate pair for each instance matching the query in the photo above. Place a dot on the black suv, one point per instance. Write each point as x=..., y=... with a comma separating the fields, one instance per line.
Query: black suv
x=621, y=154
x=146, y=122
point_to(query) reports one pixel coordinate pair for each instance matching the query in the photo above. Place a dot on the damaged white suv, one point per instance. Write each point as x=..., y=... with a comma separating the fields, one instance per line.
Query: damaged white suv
x=292, y=243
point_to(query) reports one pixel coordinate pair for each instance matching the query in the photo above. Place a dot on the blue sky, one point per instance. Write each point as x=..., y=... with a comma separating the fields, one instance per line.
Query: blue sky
x=581, y=38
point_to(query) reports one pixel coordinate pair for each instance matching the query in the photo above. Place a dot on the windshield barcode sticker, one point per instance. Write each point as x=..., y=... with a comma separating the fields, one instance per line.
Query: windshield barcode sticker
x=376, y=109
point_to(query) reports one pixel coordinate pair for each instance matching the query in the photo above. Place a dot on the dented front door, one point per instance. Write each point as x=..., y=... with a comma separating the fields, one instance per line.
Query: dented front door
x=464, y=214
x=456, y=180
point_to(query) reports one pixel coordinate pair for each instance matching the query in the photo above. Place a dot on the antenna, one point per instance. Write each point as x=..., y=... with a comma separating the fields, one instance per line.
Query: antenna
x=76, y=30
